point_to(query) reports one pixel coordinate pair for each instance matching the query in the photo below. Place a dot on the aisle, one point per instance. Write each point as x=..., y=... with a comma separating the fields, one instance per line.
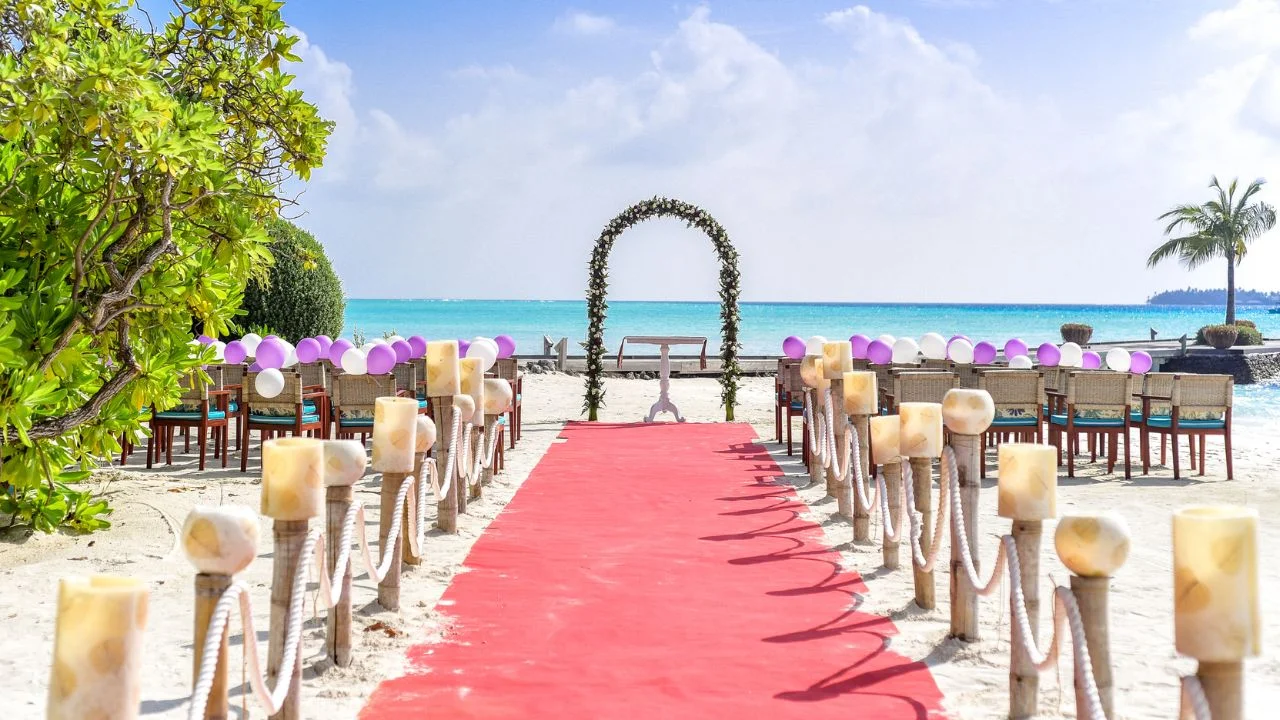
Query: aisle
x=655, y=571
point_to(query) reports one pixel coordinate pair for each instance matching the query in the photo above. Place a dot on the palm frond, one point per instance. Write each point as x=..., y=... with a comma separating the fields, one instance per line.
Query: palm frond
x=1200, y=249
x=1167, y=249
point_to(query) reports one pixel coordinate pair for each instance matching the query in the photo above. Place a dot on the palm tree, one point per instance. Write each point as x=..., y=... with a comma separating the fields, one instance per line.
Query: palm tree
x=1223, y=228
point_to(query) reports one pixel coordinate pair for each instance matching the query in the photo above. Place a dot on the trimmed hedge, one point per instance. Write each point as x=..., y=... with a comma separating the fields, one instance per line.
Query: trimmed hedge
x=302, y=296
x=1246, y=333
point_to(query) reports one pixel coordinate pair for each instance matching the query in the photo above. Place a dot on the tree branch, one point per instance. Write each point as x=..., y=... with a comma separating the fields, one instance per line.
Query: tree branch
x=129, y=369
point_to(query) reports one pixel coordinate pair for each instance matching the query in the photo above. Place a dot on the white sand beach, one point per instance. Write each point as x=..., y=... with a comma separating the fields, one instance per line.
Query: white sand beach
x=150, y=507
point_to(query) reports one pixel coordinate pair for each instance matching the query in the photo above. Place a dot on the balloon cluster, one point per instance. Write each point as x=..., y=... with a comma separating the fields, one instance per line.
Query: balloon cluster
x=961, y=350
x=271, y=354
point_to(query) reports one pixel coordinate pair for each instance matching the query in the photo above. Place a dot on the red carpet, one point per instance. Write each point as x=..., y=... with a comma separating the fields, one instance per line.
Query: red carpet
x=654, y=571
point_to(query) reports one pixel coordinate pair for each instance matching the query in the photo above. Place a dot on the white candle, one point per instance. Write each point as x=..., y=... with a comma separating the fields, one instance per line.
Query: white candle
x=425, y=435
x=97, y=649
x=442, y=368
x=1028, y=482
x=968, y=412
x=497, y=396
x=292, y=478
x=811, y=373
x=1092, y=545
x=1215, y=583
x=884, y=439
x=220, y=540
x=837, y=359
x=344, y=462
x=861, y=393
x=394, y=423
x=921, y=432
x=471, y=371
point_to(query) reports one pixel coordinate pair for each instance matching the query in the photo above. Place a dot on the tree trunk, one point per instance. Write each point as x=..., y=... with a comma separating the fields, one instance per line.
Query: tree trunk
x=1231, y=286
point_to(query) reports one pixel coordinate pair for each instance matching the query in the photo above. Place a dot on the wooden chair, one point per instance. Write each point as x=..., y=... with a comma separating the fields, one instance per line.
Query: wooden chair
x=354, y=397
x=968, y=375
x=1018, y=396
x=509, y=369
x=1199, y=406
x=1095, y=403
x=793, y=389
x=294, y=411
x=406, y=375
x=921, y=386
x=314, y=380
x=233, y=383
x=203, y=407
x=780, y=396
x=938, y=364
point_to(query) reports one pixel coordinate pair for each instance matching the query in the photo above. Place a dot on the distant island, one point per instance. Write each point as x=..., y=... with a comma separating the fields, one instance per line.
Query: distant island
x=1218, y=296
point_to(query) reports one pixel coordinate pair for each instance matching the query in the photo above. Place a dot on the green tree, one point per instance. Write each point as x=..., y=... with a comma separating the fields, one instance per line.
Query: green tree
x=301, y=297
x=137, y=167
x=1220, y=228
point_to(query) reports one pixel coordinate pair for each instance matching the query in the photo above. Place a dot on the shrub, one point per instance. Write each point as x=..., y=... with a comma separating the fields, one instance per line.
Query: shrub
x=136, y=168
x=1246, y=333
x=1219, y=336
x=1247, y=323
x=301, y=296
x=1078, y=333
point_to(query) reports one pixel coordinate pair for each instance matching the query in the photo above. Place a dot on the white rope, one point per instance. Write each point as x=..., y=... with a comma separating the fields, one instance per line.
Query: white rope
x=891, y=533
x=491, y=435
x=925, y=563
x=1193, y=694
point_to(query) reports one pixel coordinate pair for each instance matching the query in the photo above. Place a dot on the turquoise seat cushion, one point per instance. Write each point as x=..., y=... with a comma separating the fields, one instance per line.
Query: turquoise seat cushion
x=355, y=422
x=188, y=415
x=1135, y=416
x=1083, y=422
x=1158, y=421
x=233, y=406
x=307, y=418
x=422, y=403
x=502, y=419
x=309, y=406
x=519, y=397
x=1015, y=421
x=797, y=406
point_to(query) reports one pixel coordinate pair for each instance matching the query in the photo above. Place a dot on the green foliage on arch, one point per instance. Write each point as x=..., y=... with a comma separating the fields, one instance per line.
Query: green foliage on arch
x=598, y=306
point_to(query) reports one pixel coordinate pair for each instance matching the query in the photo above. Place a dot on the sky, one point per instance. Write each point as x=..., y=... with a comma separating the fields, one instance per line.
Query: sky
x=898, y=151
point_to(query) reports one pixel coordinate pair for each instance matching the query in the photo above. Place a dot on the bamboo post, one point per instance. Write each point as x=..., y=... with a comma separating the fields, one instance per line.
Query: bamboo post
x=840, y=428
x=490, y=421
x=893, y=494
x=465, y=407
x=816, y=471
x=477, y=442
x=1093, y=547
x=862, y=514
x=344, y=463
x=1223, y=684
x=395, y=450
x=922, y=486
x=1024, y=679
x=967, y=414
x=292, y=475
x=447, y=509
x=389, y=588
x=411, y=553
x=209, y=589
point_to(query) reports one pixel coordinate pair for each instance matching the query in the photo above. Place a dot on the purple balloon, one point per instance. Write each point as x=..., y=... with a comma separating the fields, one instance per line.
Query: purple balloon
x=308, y=350
x=205, y=340
x=793, y=347
x=1140, y=362
x=860, y=344
x=1048, y=354
x=271, y=353
x=462, y=347
x=958, y=337
x=338, y=347
x=326, y=342
x=1091, y=360
x=402, y=350
x=506, y=346
x=879, y=352
x=271, y=337
x=255, y=368
x=381, y=359
x=418, y=345
x=234, y=353
x=984, y=353
x=1014, y=348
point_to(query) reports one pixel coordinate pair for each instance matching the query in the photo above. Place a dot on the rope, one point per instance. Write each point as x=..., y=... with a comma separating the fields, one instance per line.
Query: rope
x=1193, y=694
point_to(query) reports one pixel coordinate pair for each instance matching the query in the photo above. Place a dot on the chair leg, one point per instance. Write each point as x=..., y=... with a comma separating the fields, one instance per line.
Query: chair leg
x=151, y=447
x=202, y=433
x=1173, y=447
x=244, y=449
x=1226, y=439
x=1144, y=449
x=790, y=422
x=225, y=431
x=982, y=455
x=186, y=440
x=1110, y=453
x=1191, y=450
x=1202, y=439
x=1164, y=460
x=1128, y=473
x=168, y=446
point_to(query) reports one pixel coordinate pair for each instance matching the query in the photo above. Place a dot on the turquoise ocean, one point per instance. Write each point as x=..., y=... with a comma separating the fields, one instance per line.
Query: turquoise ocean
x=764, y=325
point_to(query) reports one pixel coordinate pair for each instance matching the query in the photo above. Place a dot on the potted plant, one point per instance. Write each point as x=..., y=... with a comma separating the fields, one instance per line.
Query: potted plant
x=1220, y=336
x=1078, y=333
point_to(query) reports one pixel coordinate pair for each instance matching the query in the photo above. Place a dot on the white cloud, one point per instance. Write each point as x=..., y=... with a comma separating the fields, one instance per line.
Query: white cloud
x=1249, y=25
x=897, y=173
x=584, y=23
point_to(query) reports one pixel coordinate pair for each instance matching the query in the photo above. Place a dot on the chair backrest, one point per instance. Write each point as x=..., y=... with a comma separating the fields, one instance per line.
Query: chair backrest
x=792, y=383
x=937, y=364
x=286, y=403
x=922, y=386
x=1014, y=392
x=508, y=369
x=968, y=375
x=357, y=394
x=312, y=374
x=1158, y=384
x=1099, y=390
x=195, y=390
x=230, y=374
x=861, y=364
x=1054, y=378
x=1202, y=395
x=406, y=375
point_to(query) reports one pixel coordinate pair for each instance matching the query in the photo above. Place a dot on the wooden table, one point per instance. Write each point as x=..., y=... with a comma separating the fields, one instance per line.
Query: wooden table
x=664, y=343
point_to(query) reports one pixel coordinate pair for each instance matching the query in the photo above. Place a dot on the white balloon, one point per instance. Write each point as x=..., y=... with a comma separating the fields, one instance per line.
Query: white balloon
x=813, y=346
x=961, y=351
x=292, y=358
x=380, y=341
x=392, y=340
x=1118, y=359
x=887, y=339
x=1072, y=355
x=269, y=383
x=219, y=351
x=1021, y=362
x=250, y=343
x=365, y=348
x=933, y=345
x=353, y=362
x=905, y=351
x=484, y=349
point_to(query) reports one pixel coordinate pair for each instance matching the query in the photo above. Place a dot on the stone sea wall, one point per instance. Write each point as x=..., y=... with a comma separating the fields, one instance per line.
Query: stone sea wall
x=1245, y=368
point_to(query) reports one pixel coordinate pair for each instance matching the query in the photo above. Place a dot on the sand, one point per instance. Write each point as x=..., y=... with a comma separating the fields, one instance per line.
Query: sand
x=150, y=506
